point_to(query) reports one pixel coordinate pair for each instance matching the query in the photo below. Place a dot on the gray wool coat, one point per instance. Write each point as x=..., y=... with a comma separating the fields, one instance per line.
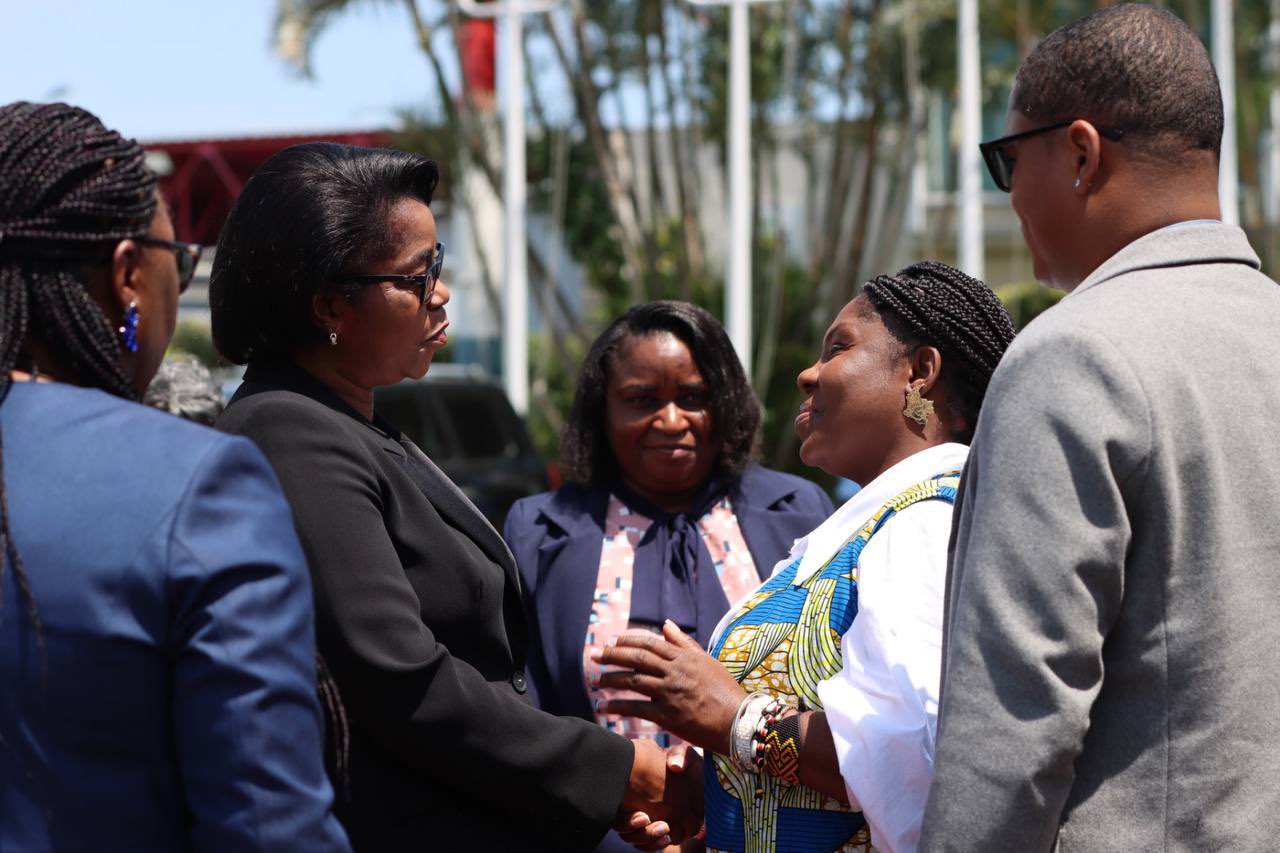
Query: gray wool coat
x=1112, y=634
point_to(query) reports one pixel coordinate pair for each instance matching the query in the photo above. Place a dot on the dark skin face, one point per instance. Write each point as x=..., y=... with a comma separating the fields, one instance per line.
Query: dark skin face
x=658, y=420
x=384, y=333
x=850, y=423
x=1070, y=228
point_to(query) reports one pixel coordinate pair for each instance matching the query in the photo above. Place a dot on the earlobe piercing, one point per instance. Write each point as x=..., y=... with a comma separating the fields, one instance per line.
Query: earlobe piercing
x=129, y=331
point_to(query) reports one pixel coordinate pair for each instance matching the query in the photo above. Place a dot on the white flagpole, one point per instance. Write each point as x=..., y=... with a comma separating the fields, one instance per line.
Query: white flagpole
x=515, y=272
x=1224, y=59
x=737, y=280
x=971, y=255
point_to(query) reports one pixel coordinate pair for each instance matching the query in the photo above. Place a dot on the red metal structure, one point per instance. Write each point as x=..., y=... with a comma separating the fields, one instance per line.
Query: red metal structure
x=478, y=39
x=208, y=174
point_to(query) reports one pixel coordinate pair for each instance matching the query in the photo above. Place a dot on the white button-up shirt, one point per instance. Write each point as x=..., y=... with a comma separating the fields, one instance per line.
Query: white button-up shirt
x=883, y=705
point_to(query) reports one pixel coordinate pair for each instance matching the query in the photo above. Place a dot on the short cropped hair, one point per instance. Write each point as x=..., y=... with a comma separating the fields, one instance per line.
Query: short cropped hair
x=1132, y=67
x=735, y=411
x=309, y=213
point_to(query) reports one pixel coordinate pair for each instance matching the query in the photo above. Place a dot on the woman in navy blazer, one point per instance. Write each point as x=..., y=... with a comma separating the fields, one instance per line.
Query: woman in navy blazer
x=156, y=647
x=667, y=517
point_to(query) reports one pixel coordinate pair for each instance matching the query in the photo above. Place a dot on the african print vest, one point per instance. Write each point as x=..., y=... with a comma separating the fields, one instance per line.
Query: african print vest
x=783, y=640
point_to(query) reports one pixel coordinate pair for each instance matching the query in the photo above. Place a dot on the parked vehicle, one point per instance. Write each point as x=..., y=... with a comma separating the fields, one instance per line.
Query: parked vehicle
x=461, y=417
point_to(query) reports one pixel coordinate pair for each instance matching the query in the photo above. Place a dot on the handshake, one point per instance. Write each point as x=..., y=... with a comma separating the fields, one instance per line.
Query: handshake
x=663, y=803
x=689, y=695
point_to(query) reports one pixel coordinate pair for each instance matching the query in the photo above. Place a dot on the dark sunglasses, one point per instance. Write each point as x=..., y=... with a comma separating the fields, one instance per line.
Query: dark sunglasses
x=186, y=254
x=426, y=281
x=1000, y=164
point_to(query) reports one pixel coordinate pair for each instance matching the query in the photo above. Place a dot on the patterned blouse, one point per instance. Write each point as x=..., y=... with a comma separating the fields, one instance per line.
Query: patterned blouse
x=611, y=606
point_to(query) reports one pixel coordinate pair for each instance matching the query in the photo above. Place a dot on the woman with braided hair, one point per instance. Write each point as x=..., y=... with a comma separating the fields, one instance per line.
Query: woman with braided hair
x=817, y=704
x=156, y=645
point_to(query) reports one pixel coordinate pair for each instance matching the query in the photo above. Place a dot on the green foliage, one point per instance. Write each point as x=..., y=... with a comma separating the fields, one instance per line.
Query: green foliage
x=824, y=72
x=1027, y=300
x=589, y=229
x=558, y=386
x=194, y=338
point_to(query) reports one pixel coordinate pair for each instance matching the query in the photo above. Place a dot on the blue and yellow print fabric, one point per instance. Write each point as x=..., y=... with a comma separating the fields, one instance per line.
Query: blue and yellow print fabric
x=783, y=640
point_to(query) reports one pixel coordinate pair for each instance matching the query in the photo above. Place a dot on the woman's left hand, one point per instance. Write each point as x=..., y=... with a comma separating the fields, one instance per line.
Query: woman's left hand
x=692, y=695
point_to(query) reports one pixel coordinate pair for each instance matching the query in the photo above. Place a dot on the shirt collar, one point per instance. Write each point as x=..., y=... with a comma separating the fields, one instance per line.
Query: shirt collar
x=1184, y=223
x=828, y=538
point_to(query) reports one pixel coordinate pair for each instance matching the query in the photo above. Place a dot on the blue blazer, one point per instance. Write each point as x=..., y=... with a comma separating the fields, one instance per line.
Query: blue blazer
x=172, y=706
x=556, y=538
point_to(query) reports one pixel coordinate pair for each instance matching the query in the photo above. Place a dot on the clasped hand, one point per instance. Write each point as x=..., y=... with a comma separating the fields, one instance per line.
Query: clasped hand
x=656, y=814
x=692, y=696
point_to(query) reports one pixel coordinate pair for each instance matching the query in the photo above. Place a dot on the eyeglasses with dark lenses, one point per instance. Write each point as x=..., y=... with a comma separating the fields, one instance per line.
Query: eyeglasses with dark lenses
x=425, y=281
x=1000, y=164
x=186, y=254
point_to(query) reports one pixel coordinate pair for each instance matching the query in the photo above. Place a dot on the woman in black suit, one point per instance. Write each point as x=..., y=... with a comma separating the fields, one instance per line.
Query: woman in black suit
x=327, y=284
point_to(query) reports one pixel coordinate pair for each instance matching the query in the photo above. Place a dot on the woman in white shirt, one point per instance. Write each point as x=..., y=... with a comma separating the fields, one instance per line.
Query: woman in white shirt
x=820, y=726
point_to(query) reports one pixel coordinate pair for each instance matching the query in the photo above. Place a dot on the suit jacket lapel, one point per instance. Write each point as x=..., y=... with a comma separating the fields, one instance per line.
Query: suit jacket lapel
x=449, y=500
x=446, y=497
x=769, y=525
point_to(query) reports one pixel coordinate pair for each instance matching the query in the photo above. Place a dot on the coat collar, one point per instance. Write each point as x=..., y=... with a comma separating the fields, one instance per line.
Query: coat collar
x=286, y=376
x=1177, y=245
x=578, y=508
x=444, y=495
x=826, y=540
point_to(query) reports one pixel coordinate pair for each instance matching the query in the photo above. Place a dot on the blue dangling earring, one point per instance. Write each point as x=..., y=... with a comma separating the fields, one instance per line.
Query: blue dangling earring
x=129, y=331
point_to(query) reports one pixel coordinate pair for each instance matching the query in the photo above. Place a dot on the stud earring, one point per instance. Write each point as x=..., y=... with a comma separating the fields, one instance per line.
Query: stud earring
x=333, y=338
x=129, y=331
x=1077, y=183
x=918, y=408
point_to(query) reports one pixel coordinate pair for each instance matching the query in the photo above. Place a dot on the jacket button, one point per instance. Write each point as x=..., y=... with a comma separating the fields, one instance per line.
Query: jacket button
x=517, y=681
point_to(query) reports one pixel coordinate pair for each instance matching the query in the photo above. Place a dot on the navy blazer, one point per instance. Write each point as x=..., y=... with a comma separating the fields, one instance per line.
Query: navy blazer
x=173, y=704
x=556, y=538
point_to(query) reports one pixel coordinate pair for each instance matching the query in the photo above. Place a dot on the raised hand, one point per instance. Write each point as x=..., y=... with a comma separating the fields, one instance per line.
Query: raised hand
x=646, y=833
x=690, y=694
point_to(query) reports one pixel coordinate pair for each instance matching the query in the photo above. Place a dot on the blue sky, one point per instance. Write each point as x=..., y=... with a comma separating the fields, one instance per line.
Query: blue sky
x=166, y=69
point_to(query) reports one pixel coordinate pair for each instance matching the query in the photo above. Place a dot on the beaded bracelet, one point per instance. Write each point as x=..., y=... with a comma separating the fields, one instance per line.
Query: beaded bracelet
x=782, y=749
x=769, y=714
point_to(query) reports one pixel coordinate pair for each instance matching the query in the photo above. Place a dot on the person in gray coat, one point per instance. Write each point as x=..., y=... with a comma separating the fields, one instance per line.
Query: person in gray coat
x=1113, y=603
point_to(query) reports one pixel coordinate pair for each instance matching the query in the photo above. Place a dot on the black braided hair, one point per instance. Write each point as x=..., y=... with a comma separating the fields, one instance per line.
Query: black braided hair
x=337, y=731
x=70, y=189
x=930, y=303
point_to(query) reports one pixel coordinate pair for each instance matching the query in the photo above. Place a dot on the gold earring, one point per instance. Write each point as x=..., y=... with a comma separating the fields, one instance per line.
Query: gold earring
x=918, y=408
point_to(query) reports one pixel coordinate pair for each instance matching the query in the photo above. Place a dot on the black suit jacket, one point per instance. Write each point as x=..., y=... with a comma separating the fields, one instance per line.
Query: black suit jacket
x=419, y=617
